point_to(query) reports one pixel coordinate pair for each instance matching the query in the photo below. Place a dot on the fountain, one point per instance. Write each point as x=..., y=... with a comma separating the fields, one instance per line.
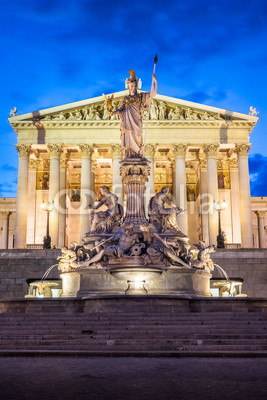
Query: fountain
x=125, y=252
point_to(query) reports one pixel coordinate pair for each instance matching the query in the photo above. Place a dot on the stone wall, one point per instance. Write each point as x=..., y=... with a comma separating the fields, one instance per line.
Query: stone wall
x=16, y=266
x=248, y=264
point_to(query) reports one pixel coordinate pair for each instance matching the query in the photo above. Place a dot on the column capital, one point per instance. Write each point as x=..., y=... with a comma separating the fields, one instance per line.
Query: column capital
x=211, y=149
x=55, y=150
x=63, y=161
x=150, y=150
x=24, y=150
x=179, y=150
x=242, y=149
x=86, y=149
x=33, y=164
x=260, y=214
x=203, y=164
x=5, y=214
x=233, y=164
x=116, y=150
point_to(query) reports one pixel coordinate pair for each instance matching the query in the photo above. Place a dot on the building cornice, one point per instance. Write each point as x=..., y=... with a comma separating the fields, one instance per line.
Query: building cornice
x=32, y=125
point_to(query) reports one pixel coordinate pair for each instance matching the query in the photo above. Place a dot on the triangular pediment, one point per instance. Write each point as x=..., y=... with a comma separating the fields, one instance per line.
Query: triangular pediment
x=163, y=108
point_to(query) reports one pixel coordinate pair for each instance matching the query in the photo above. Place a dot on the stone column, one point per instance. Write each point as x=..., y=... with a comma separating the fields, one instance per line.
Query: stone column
x=211, y=151
x=5, y=216
x=22, y=196
x=116, y=177
x=62, y=201
x=134, y=173
x=173, y=178
x=234, y=182
x=86, y=188
x=54, y=188
x=33, y=165
x=204, y=201
x=179, y=151
x=244, y=195
x=150, y=185
x=261, y=215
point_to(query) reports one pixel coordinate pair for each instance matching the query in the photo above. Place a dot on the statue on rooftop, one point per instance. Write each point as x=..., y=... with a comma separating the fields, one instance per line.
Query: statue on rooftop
x=130, y=113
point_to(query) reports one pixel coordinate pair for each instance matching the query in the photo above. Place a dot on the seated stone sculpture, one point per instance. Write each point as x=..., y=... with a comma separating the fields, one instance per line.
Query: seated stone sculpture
x=105, y=221
x=163, y=211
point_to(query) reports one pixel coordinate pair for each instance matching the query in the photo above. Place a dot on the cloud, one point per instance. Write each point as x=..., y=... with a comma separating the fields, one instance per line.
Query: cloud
x=9, y=168
x=8, y=190
x=258, y=175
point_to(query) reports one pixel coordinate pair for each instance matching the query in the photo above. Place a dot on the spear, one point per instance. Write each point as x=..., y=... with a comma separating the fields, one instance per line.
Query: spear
x=149, y=104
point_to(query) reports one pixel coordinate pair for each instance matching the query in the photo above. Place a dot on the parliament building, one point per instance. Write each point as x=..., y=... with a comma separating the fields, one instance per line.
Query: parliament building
x=66, y=153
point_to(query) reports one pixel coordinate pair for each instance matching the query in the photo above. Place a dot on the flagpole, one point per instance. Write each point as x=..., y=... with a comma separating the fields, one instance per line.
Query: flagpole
x=149, y=104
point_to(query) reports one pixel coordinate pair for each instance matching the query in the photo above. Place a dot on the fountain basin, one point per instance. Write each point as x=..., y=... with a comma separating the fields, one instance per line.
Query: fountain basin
x=136, y=278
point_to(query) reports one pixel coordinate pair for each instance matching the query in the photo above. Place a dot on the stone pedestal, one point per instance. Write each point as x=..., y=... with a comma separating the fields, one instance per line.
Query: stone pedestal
x=134, y=174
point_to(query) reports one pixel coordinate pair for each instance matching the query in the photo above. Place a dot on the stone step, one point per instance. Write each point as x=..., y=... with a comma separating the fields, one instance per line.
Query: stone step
x=100, y=315
x=134, y=314
x=135, y=346
x=136, y=327
x=158, y=322
x=119, y=335
x=137, y=324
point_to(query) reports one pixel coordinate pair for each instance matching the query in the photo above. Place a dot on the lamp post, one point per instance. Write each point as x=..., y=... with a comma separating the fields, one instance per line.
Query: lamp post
x=48, y=207
x=219, y=207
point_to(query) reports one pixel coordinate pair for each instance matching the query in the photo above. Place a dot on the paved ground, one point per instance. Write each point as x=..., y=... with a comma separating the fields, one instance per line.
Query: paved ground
x=132, y=378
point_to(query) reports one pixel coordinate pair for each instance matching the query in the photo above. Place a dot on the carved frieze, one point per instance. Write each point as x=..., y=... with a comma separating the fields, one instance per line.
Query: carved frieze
x=33, y=164
x=63, y=161
x=203, y=164
x=233, y=163
x=159, y=111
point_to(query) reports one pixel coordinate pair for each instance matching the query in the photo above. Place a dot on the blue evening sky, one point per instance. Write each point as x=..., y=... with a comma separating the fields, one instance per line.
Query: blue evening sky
x=59, y=51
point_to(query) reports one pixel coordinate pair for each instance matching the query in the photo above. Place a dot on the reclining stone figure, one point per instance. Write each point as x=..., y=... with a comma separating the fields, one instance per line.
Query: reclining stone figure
x=125, y=238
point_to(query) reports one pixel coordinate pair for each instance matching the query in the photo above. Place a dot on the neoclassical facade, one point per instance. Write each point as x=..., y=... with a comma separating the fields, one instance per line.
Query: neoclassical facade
x=67, y=153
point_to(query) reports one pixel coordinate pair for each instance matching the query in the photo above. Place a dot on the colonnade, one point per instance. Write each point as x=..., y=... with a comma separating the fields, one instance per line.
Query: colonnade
x=239, y=176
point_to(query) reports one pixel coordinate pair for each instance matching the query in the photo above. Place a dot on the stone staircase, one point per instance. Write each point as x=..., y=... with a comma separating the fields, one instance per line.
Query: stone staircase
x=135, y=331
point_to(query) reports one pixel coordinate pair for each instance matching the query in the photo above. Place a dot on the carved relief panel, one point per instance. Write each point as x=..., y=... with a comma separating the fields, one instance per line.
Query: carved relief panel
x=162, y=175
